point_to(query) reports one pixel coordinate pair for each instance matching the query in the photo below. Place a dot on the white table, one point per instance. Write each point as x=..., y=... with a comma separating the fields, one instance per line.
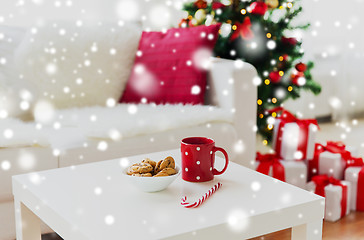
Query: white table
x=94, y=201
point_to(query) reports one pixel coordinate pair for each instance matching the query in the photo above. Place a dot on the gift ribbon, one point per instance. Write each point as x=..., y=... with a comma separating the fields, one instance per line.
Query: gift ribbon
x=303, y=124
x=360, y=191
x=358, y=162
x=333, y=147
x=322, y=181
x=266, y=161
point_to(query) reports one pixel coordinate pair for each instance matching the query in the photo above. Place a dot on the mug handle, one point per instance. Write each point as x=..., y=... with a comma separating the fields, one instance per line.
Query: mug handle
x=215, y=171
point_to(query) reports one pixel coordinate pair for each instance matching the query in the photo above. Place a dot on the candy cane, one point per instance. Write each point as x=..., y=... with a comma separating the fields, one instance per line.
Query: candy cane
x=202, y=199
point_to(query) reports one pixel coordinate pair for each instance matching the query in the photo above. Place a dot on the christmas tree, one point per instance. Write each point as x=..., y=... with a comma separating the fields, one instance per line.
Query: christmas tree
x=257, y=32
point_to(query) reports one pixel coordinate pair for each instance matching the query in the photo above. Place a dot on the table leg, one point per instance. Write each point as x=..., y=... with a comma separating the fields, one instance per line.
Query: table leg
x=309, y=231
x=27, y=223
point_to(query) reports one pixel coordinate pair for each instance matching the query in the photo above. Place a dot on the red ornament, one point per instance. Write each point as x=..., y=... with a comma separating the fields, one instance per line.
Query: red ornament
x=258, y=8
x=185, y=23
x=285, y=57
x=200, y=4
x=295, y=77
x=217, y=5
x=243, y=29
x=301, y=67
x=289, y=41
x=275, y=77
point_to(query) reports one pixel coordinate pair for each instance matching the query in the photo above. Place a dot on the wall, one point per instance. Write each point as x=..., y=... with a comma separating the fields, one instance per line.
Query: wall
x=153, y=13
x=335, y=43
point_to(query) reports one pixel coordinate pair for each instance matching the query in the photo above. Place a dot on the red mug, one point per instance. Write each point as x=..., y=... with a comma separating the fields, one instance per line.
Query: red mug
x=198, y=159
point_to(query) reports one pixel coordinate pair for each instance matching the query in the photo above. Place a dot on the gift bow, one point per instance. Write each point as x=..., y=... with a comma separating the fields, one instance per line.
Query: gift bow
x=303, y=124
x=270, y=160
x=337, y=147
x=333, y=147
x=322, y=181
x=243, y=29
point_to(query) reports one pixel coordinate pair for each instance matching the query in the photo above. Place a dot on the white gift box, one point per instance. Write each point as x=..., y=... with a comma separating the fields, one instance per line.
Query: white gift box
x=291, y=139
x=331, y=164
x=295, y=172
x=351, y=175
x=333, y=197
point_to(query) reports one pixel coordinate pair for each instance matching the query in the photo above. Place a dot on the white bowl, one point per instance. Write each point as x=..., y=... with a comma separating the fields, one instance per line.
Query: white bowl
x=152, y=184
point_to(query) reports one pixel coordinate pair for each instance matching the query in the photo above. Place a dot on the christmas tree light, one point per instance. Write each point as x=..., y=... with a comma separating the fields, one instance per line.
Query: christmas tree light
x=257, y=32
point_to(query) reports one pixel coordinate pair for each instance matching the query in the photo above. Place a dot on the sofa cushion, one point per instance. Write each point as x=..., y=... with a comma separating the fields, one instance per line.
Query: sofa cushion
x=168, y=67
x=71, y=127
x=223, y=133
x=73, y=66
x=16, y=133
x=129, y=120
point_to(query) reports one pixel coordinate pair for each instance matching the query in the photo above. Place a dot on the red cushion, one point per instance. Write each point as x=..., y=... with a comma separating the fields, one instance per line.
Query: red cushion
x=166, y=67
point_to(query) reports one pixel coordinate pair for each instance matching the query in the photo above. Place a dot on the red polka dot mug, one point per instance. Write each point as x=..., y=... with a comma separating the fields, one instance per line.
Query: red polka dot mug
x=198, y=159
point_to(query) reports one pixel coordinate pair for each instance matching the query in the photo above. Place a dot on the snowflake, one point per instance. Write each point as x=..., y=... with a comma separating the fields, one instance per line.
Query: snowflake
x=110, y=102
x=128, y=9
x=24, y=105
x=87, y=62
x=5, y=165
x=114, y=134
x=109, y=220
x=132, y=109
x=56, y=152
x=238, y=220
x=256, y=186
x=3, y=114
x=8, y=133
x=102, y=146
x=98, y=191
x=43, y=111
x=26, y=161
x=79, y=23
x=195, y=90
x=159, y=16
x=79, y=81
x=35, y=178
x=112, y=51
x=51, y=68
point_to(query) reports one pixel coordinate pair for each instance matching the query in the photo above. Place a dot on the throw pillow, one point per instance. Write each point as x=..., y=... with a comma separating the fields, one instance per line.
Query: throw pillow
x=169, y=66
x=73, y=66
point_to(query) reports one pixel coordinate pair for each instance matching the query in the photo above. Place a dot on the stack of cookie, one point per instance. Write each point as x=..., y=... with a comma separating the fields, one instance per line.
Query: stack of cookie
x=150, y=168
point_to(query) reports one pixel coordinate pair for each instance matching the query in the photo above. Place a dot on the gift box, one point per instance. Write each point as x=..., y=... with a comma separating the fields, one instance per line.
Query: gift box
x=353, y=150
x=331, y=160
x=337, y=195
x=292, y=172
x=355, y=175
x=294, y=139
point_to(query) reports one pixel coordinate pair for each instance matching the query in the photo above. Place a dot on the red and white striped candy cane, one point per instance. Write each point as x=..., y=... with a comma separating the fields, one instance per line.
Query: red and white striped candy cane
x=202, y=199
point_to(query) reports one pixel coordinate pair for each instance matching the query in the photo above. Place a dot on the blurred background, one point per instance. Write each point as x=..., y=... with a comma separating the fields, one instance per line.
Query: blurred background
x=333, y=42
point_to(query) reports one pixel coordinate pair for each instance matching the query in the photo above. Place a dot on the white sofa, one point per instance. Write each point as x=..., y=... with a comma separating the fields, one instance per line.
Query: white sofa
x=81, y=135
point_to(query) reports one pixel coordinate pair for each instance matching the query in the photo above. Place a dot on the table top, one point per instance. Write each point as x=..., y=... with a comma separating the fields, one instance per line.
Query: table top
x=95, y=201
